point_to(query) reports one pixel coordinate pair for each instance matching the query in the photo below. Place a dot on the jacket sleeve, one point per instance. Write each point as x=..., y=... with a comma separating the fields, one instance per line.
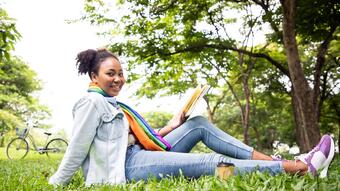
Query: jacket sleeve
x=86, y=120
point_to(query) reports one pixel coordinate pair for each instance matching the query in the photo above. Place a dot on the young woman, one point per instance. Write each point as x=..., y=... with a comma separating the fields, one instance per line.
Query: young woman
x=103, y=144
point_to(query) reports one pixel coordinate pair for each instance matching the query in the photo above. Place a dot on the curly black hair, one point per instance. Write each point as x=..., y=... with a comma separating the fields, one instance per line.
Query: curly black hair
x=88, y=61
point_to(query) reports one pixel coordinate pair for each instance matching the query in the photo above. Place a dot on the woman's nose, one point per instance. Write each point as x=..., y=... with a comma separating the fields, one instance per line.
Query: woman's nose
x=116, y=79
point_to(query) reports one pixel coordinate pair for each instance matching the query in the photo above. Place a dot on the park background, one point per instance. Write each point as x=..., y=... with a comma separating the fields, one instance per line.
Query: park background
x=170, y=47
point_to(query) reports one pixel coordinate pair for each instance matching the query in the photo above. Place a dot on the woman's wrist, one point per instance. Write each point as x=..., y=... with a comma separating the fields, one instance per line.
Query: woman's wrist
x=167, y=128
x=171, y=127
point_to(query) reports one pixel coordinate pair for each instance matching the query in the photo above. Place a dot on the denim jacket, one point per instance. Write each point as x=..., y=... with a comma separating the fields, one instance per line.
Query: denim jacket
x=98, y=143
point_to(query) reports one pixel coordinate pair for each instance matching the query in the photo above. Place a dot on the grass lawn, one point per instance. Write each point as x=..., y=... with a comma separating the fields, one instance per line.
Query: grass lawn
x=32, y=173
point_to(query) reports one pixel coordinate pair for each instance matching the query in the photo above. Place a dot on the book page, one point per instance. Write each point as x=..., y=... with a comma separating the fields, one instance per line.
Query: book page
x=193, y=100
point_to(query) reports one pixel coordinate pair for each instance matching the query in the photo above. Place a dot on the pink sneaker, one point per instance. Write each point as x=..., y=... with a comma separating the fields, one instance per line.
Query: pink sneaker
x=320, y=157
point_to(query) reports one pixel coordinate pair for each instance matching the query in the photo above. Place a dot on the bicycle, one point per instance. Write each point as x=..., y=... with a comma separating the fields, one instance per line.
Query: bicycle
x=18, y=147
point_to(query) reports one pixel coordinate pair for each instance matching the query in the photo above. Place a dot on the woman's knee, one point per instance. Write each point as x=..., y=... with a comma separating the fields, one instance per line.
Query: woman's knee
x=199, y=119
x=196, y=123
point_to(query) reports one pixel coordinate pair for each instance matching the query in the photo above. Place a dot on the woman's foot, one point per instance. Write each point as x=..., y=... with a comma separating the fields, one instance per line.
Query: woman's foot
x=320, y=157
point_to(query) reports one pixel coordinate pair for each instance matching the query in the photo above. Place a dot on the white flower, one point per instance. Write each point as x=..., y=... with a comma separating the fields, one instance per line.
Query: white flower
x=294, y=150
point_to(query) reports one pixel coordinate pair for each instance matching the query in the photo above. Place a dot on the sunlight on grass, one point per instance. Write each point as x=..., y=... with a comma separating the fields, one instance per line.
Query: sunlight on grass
x=32, y=155
x=32, y=173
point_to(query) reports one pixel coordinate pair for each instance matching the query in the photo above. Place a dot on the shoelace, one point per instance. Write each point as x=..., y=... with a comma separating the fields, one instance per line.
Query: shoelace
x=276, y=156
x=304, y=156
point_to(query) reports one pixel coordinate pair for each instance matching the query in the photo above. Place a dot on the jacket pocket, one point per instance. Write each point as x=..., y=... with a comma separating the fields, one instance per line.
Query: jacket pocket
x=111, y=127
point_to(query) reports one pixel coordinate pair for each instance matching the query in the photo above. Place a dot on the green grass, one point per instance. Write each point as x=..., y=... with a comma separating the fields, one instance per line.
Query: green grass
x=32, y=173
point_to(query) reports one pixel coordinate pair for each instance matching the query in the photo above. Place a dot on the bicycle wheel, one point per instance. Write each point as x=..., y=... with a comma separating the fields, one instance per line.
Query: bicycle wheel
x=17, y=148
x=56, y=147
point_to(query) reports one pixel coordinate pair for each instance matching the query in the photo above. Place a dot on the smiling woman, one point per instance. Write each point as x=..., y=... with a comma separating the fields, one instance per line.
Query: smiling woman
x=109, y=76
x=108, y=145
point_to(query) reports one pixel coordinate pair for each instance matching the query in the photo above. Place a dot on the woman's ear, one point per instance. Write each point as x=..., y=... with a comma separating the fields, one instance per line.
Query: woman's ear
x=94, y=77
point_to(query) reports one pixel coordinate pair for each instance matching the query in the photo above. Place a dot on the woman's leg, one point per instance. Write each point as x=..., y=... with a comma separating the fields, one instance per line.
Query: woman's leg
x=141, y=164
x=198, y=128
x=185, y=137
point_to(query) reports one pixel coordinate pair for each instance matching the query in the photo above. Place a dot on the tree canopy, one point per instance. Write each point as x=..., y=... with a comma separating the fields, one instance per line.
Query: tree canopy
x=173, y=45
x=8, y=35
x=18, y=82
x=157, y=119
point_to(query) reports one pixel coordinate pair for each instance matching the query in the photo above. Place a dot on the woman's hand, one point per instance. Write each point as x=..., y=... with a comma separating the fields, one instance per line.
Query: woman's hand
x=177, y=120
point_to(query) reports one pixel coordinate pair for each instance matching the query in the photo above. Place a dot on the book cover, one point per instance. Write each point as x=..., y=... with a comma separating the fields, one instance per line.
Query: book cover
x=190, y=105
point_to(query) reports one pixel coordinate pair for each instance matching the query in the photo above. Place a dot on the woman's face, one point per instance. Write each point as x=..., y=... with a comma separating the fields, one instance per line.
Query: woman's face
x=110, y=76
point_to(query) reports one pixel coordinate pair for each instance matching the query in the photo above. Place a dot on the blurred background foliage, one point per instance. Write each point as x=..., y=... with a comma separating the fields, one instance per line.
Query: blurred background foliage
x=19, y=104
x=171, y=46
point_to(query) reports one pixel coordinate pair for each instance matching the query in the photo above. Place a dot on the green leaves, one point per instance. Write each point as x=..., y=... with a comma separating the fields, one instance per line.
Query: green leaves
x=171, y=46
x=157, y=119
x=17, y=82
x=316, y=19
x=8, y=35
x=17, y=104
x=33, y=173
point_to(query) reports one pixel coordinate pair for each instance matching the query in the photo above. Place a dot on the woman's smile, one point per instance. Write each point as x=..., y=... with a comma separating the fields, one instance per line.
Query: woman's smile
x=116, y=87
x=110, y=77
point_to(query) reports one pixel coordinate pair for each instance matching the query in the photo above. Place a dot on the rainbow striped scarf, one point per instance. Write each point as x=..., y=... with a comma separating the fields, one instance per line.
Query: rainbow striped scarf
x=150, y=139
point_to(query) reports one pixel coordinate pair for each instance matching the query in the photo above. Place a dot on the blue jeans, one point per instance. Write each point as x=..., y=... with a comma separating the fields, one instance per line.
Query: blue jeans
x=141, y=164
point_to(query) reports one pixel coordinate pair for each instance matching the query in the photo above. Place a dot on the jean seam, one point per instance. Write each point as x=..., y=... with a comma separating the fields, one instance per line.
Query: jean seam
x=168, y=164
x=228, y=142
x=178, y=140
x=201, y=127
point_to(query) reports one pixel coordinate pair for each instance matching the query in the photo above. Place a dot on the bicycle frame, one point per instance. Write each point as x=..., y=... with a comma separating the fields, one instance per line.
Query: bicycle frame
x=36, y=147
x=42, y=149
x=21, y=145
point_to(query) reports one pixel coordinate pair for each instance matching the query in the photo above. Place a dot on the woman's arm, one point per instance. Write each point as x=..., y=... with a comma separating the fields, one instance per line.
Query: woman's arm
x=175, y=122
x=86, y=121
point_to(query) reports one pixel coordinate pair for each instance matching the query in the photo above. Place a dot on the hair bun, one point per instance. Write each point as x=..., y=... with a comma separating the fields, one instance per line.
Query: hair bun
x=89, y=61
x=86, y=60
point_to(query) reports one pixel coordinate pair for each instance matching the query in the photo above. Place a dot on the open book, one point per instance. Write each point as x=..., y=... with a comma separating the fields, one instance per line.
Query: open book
x=199, y=92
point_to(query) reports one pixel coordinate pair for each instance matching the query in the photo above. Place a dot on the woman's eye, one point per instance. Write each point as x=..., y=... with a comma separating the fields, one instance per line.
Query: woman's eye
x=110, y=74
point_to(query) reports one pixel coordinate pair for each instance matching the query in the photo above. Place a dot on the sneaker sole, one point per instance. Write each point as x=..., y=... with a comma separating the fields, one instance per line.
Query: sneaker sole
x=329, y=159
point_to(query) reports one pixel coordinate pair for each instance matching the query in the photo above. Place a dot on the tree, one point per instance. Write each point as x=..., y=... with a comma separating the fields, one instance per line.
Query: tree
x=171, y=44
x=157, y=119
x=8, y=35
x=18, y=83
x=17, y=104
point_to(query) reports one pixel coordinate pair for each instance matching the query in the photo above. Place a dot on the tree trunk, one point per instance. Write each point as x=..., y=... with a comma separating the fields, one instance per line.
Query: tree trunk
x=254, y=126
x=246, y=92
x=2, y=139
x=305, y=110
x=209, y=111
x=241, y=108
x=246, y=110
x=304, y=135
